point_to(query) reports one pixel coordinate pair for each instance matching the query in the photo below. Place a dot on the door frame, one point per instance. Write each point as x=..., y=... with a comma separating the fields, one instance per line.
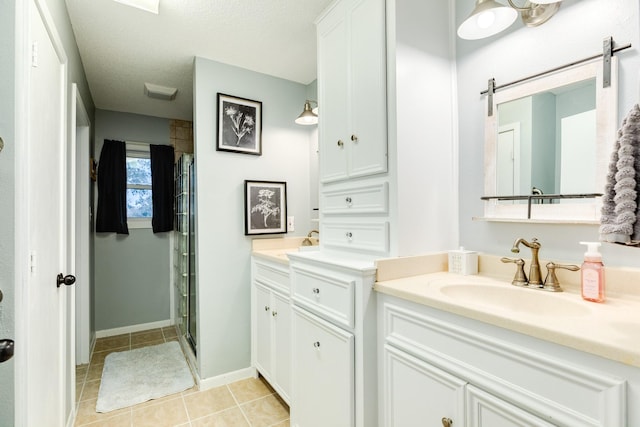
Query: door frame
x=22, y=262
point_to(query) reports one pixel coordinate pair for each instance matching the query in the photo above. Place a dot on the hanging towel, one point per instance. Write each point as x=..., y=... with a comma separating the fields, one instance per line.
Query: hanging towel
x=620, y=210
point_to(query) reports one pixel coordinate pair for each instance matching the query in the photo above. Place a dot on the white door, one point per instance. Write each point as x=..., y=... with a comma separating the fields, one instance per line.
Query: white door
x=508, y=161
x=44, y=380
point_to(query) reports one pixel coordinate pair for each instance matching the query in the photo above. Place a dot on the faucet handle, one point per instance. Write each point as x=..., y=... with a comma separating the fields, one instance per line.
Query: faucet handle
x=520, y=279
x=551, y=282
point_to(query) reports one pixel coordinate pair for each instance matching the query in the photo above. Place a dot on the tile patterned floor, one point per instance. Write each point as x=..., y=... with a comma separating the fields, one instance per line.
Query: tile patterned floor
x=246, y=403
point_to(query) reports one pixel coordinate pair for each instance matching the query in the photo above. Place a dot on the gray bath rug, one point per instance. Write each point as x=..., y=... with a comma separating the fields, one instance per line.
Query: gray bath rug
x=135, y=376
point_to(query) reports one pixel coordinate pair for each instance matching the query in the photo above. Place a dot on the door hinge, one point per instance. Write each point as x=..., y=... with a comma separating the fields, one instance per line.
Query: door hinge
x=32, y=262
x=34, y=54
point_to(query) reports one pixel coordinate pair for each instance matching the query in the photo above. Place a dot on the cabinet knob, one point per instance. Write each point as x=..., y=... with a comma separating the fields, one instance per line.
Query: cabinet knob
x=340, y=143
x=354, y=138
x=274, y=314
x=348, y=200
x=316, y=344
x=266, y=308
x=316, y=291
x=447, y=422
x=349, y=235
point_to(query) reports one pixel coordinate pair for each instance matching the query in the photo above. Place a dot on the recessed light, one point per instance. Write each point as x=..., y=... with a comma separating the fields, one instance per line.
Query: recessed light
x=148, y=5
x=160, y=92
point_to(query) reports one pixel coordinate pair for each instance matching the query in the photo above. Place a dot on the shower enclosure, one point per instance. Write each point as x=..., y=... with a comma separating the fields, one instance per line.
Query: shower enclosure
x=184, y=251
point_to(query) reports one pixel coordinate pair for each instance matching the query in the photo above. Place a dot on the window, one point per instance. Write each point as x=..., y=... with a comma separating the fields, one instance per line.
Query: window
x=139, y=201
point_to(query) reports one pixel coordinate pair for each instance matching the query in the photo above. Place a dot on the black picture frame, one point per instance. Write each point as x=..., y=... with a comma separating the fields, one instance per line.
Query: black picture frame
x=265, y=207
x=239, y=125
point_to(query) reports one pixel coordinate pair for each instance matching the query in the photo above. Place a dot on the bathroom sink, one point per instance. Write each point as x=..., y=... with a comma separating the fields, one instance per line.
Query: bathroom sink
x=505, y=297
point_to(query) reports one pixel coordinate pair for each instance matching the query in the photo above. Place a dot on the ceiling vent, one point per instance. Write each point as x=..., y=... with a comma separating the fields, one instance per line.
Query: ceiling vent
x=160, y=92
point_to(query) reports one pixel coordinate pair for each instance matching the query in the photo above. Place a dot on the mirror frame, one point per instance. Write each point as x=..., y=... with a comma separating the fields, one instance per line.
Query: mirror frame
x=606, y=127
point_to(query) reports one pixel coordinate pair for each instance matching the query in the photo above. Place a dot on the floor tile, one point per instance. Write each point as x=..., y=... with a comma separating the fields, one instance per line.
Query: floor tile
x=169, y=413
x=147, y=336
x=228, y=418
x=208, y=402
x=285, y=423
x=90, y=390
x=265, y=412
x=95, y=372
x=147, y=343
x=249, y=389
x=99, y=356
x=87, y=413
x=110, y=343
x=123, y=420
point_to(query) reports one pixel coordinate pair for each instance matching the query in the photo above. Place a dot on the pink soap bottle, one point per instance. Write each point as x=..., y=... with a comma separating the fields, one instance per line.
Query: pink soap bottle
x=592, y=273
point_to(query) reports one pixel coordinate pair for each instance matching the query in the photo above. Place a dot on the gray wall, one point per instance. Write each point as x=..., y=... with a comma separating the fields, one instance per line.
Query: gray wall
x=519, y=52
x=132, y=273
x=7, y=192
x=223, y=252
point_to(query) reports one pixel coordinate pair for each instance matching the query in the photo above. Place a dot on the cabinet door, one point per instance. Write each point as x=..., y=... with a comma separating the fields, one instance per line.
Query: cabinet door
x=484, y=409
x=281, y=315
x=419, y=394
x=263, y=330
x=333, y=94
x=323, y=373
x=368, y=128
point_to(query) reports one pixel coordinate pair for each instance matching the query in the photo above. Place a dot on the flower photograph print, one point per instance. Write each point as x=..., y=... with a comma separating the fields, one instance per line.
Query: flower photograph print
x=239, y=125
x=265, y=207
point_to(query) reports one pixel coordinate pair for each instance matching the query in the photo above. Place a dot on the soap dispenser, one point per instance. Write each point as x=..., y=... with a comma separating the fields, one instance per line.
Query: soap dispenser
x=592, y=273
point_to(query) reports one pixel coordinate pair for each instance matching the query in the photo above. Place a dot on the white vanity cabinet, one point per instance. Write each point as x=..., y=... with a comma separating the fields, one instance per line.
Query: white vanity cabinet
x=437, y=365
x=334, y=353
x=271, y=324
x=352, y=90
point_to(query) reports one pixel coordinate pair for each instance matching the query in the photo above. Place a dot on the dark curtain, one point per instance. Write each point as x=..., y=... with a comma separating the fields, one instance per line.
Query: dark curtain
x=162, y=159
x=112, y=188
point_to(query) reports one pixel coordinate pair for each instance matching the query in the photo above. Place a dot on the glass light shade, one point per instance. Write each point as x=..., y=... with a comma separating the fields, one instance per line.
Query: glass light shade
x=487, y=18
x=307, y=117
x=545, y=1
x=148, y=5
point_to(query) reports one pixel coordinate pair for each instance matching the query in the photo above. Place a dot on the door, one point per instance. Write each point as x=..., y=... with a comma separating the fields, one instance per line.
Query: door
x=43, y=378
x=263, y=329
x=508, y=161
x=281, y=315
x=419, y=394
x=323, y=373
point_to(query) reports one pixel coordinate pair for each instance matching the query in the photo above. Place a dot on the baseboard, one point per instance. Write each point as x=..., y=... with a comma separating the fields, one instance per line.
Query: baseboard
x=227, y=378
x=133, y=328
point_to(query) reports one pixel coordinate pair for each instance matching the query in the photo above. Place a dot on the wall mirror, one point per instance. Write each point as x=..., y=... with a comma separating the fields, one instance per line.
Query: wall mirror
x=551, y=135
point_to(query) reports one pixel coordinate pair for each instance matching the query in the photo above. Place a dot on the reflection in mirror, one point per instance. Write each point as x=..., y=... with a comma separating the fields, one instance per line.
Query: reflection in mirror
x=551, y=135
x=547, y=142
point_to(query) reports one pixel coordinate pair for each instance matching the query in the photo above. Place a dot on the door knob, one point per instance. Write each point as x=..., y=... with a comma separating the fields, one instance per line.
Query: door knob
x=67, y=280
x=6, y=350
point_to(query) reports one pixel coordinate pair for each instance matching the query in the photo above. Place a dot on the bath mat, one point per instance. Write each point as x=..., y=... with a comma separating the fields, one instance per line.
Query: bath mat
x=135, y=376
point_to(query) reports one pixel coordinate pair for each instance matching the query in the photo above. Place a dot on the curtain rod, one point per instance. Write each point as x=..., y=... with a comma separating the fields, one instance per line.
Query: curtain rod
x=571, y=64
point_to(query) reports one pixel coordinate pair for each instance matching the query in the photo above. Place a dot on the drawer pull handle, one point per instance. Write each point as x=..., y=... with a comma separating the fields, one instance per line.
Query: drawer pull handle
x=447, y=422
x=354, y=138
x=316, y=344
x=274, y=314
x=340, y=143
x=316, y=291
x=266, y=308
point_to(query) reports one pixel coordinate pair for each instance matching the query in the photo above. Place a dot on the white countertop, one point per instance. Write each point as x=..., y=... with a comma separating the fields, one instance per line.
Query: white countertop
x=610, y=329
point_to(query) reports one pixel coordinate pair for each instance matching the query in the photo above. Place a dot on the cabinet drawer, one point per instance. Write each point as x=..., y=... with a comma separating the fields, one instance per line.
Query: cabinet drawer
x=370, y=237
x=356, y=200
x=327, y=296
x=272, y=276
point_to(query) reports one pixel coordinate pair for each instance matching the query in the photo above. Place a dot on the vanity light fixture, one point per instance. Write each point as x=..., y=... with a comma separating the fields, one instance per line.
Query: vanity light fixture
x=308, y=116
x=490, y=17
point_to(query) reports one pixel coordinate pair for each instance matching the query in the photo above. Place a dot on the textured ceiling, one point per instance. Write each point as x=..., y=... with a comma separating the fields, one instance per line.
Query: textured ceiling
x=122, y=47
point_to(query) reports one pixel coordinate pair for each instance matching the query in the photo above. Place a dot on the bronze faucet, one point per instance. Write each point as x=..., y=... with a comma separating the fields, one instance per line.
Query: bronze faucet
x=307, y=241
x=535, y=278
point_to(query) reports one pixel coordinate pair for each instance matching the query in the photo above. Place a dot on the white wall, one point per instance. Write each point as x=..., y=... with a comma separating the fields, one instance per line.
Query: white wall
x=575, y=32
x=223, y=252
x=422, y=136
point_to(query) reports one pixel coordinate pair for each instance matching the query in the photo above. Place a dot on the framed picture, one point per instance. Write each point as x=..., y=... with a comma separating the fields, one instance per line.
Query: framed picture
x=265, y=207
x=239, y=125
